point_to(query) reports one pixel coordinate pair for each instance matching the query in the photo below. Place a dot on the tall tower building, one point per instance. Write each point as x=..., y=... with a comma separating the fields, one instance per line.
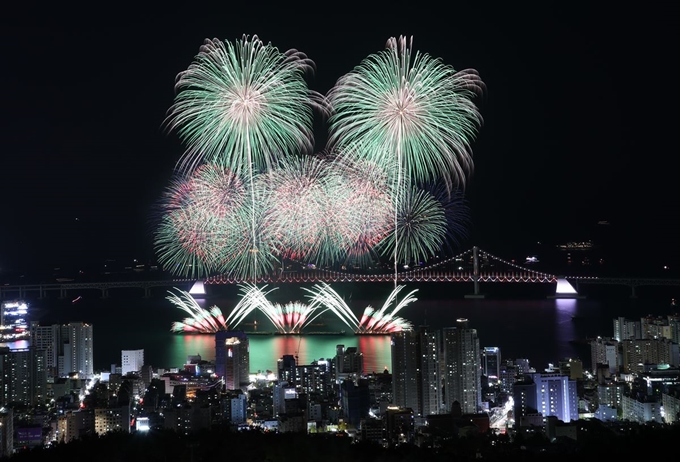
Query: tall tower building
x=77, y=348
x=222, y=356
x=232, y=363
x=462, y=380
x=131, y=361
x=491, y=364
x=47, y=338
x=286, y=369
x=23, y=378
x=625, y=329
x=405, y=365
x=430, y=396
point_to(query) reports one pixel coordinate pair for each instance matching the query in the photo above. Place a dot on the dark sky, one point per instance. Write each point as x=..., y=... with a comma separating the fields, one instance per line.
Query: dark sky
x=580, y=117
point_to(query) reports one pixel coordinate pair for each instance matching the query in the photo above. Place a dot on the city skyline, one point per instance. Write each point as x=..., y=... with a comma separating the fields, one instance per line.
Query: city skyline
x=88, y=159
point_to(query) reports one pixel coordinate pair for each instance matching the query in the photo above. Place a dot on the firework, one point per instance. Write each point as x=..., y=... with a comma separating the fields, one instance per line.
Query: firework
x=247, y=199
x=200, y=320
x=422, y=227
x=322, y=295
x=411, y=113
x=199, y=220
x=244, y=257
x=290, y=318
x=381, y=321
x=187, y=242
x=362, y=210
x=241, y=105
x=206, y=227
x=296, y=198
x=409, y=106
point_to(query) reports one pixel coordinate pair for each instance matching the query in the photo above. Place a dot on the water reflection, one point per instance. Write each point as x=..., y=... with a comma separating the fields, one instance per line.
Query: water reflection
x=265, y=350
x=565, y=318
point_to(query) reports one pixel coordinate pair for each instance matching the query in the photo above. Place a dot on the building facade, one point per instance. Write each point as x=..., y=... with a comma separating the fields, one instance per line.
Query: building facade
x=405, y=383
x=462, y=380
x=131, y=361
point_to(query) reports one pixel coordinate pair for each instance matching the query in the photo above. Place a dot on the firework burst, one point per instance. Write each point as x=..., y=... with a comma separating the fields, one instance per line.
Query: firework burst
x=289, y=318
x=422, y=227
x=246, y=198
x=383, y=321
x=200, y=320
x=241, y=105
x=296, y=198
x=410, y=113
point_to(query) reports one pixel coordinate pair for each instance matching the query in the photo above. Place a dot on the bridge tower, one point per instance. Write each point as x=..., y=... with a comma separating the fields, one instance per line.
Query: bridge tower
x=475, y=274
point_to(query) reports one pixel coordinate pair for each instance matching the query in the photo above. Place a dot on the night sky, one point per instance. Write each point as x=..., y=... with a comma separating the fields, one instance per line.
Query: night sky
x=580, y=119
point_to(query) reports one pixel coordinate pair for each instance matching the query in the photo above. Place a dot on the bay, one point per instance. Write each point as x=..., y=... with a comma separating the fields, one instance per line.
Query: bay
x=518, y=318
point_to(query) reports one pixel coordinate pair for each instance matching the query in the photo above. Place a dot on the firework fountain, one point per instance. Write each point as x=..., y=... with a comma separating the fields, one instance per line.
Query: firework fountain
x=293, y=317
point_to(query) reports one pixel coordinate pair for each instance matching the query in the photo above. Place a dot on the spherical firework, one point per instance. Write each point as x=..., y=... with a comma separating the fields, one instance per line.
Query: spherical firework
x=361, y=204
x=188, y=241
x=421, y=225
x=295, y=196
x=242, y=104
x=216, y=189
x=412, y=114
x=200, y=212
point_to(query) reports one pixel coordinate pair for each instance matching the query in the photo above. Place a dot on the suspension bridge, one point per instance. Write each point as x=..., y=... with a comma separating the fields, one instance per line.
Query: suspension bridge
x=474, y=266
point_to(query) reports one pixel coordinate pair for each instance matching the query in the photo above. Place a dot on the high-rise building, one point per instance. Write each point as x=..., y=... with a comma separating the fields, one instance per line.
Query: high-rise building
x=356, y=400
x=462, y=380
x=286, y=369
x=6, y=432
x=625, y=329
x=638, y=353
x=347, y=361
x=131, y=361
x=653, y=327
x=232, y=363
x=112, y=419
x=72, y=425
x=430, y=390
x=674, y=324
x=556, y=395
x=405, y=363
x=524, y=399
x=23, y=378
x=222, y=355
x=47, y=338
x=491, y=364
x=77, y=347
x=605, y=351
x=313, y=378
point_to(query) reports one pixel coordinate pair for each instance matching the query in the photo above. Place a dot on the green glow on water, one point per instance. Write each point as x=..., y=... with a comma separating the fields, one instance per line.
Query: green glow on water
x=265, y=350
